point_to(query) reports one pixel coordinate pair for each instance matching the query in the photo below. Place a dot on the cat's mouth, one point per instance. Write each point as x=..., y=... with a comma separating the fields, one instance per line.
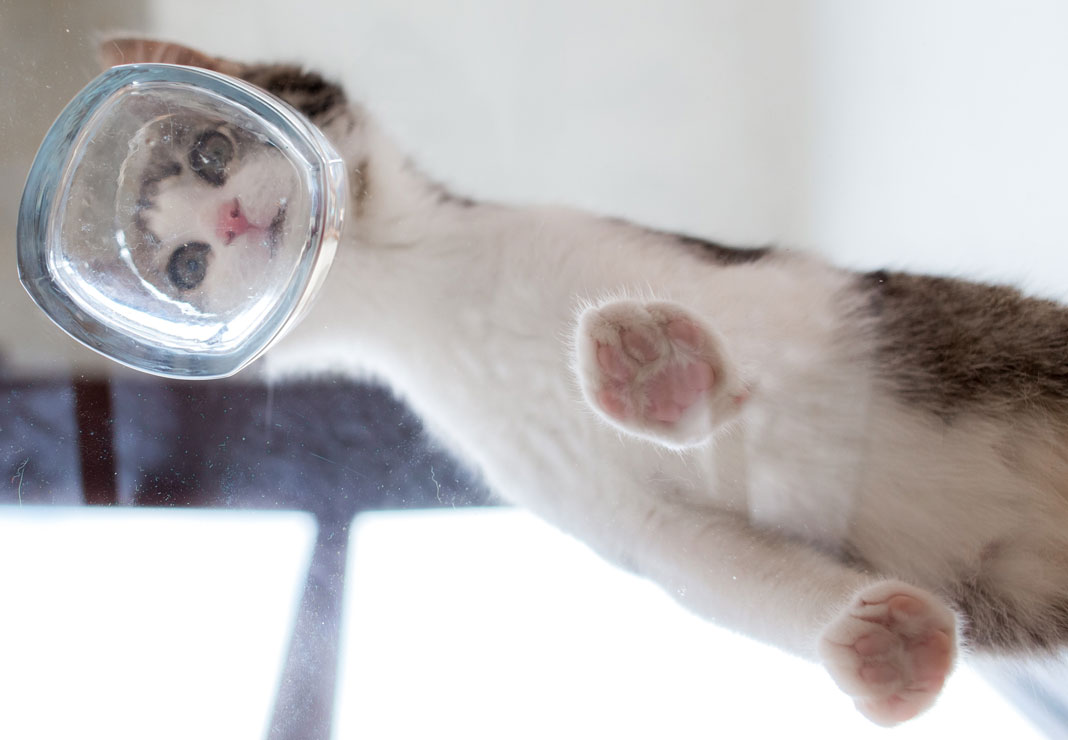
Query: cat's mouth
x=232, y=221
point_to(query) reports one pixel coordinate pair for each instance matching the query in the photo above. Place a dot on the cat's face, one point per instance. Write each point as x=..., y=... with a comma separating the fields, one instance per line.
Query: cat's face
x=206, y=210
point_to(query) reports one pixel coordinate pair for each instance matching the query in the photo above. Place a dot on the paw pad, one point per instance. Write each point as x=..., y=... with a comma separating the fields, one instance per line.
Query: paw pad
x=653, y=370
x=891, y=650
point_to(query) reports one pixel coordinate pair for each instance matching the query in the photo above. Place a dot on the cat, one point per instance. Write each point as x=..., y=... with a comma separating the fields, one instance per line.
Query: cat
x=868, y=470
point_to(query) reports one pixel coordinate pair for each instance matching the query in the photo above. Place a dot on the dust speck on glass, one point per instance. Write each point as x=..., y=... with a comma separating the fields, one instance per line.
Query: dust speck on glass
x=177, y=220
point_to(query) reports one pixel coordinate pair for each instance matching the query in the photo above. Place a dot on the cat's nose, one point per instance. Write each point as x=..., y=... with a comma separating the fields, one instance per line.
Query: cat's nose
x=231, y=221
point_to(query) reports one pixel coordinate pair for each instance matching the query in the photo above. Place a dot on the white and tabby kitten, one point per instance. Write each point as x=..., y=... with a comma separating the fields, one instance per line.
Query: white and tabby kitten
x=868, y=470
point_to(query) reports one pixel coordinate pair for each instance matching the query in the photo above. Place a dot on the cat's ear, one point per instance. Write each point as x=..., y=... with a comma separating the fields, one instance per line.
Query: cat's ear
x=131, y=50
x=311, y=94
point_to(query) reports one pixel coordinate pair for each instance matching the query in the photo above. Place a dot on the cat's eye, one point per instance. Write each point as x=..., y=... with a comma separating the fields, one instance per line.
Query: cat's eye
x=210, y=157
x=188, y=265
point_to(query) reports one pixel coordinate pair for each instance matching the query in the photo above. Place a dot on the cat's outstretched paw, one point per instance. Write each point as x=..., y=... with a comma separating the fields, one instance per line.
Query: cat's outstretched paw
x=653, y=370
x=891, y=650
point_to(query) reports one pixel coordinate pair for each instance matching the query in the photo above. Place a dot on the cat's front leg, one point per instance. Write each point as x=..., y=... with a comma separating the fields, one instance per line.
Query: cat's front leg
x=887, y=644
x=656, y=371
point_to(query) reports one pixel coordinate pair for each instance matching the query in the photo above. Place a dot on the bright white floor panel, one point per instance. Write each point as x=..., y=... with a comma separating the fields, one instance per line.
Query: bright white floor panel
x=146, y=623
x=490, y=624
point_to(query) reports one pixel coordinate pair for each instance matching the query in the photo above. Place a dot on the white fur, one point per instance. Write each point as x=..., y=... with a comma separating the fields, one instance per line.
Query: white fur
x=188, y=211
x=471, y=315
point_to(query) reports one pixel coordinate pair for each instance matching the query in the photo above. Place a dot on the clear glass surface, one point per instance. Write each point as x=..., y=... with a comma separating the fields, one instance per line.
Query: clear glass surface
x=177, y=220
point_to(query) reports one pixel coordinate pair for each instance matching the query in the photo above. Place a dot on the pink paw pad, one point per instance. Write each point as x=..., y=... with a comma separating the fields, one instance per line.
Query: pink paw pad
x=891, y=651
x=664, y=396
x=675, y=388
x=649, y=373
x=652, y=365
x=655, y=371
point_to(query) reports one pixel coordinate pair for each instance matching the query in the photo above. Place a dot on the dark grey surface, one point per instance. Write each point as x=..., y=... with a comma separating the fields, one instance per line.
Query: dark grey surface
x=38, y=444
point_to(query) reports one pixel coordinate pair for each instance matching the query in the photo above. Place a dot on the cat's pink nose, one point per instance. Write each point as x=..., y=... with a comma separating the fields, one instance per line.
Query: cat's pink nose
x=231, y=222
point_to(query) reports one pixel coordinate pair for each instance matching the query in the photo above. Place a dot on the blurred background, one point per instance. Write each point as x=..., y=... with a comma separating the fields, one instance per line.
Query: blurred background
x=911, y=134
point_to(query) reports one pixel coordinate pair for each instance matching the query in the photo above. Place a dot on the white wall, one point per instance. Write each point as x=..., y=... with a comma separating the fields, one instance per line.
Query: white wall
x=678, y=113
x=941, y=137
x=930, y=134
